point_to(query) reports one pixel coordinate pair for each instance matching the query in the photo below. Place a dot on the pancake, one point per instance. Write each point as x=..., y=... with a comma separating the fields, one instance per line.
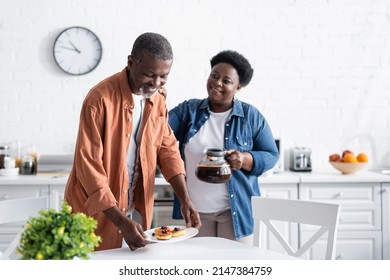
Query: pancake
x=160, y=230
x=163, y=233
x=178, y=232
x=166, y=235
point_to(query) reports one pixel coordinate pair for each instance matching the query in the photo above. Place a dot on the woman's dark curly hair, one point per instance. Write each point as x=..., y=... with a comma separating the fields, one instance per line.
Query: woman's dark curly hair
x=238, y=61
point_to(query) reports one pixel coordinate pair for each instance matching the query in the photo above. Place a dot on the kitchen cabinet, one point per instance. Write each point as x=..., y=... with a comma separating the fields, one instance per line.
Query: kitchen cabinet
x=364, y=230
x=56, y=196
x=21, y=186
x=360, y=227
x=163, y=205
x=386, y=220
x=354, y=245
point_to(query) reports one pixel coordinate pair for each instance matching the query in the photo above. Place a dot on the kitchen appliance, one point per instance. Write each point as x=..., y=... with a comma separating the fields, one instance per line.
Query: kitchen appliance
x=162, y=210
x=55, y=163
x=163, y=204
x=301, y=159
x=163, y=207
x=279, y=166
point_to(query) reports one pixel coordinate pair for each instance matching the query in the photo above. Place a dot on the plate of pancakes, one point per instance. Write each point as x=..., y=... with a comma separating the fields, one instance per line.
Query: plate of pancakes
x=170, y=233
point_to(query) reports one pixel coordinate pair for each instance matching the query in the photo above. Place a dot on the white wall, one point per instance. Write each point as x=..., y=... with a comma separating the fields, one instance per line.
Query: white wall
x=321, y=78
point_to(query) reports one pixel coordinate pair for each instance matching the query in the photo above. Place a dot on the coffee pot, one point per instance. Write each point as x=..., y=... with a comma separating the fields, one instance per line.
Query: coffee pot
x=214, y=168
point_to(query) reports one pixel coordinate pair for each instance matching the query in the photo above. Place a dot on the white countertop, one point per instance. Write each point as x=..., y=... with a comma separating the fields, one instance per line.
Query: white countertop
x=279, y=178
x=287, y=177
x=34, y=180
x=337, y=177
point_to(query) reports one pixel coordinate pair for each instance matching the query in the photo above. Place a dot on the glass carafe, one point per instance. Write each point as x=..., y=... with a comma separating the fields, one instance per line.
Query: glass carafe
x=3, y=154
x=213, y=168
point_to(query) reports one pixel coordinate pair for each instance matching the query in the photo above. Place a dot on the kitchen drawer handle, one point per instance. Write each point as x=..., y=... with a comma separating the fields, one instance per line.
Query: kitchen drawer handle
x=5, y=197
x=340, y=257
x=386, y=189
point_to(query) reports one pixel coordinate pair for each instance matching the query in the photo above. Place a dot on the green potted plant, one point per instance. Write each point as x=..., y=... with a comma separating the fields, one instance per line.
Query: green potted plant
x=58, y=235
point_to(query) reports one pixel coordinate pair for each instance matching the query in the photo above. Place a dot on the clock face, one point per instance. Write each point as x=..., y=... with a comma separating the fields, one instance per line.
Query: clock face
x=77, y=50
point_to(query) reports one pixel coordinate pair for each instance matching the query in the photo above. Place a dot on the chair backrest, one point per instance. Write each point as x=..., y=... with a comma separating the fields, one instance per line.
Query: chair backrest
x=324, y=215
x=19, y=210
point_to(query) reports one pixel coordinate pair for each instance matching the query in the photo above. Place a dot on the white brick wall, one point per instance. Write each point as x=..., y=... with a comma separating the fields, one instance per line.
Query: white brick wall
x=322, y=67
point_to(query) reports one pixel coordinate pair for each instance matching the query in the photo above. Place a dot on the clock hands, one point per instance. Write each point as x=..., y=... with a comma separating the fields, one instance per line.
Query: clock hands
x=74, y=48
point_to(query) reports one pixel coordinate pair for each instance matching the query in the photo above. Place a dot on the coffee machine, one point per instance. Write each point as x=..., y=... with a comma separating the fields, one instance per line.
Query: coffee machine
x=300, y=159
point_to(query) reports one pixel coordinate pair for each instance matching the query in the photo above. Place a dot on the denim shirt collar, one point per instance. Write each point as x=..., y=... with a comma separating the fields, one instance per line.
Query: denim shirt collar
x=237, y=109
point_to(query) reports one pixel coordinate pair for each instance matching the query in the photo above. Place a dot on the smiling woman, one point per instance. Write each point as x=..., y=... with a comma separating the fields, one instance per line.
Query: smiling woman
x=77, y=50
x=239, y=130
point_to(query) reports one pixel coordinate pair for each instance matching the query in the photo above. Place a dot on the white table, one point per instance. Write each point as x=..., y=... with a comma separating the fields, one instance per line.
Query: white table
x=197, y=248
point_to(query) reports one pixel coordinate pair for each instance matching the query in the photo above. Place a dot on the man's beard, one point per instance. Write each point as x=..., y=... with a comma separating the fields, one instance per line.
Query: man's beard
x=146, y=94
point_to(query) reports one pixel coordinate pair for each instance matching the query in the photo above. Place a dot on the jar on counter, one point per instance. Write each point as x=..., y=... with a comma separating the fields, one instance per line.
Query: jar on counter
x=3, y=154
x=28, y=152
x=28, y=165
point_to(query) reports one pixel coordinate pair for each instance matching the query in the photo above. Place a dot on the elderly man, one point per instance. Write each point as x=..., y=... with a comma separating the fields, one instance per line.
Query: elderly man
x=123, y=133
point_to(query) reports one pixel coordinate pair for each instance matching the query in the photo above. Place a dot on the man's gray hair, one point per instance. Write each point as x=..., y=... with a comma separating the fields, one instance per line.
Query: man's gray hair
x=153, y=43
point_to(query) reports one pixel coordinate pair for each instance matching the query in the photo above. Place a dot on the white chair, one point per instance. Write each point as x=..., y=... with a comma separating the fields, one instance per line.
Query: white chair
x=325, y=215
x=19, y=210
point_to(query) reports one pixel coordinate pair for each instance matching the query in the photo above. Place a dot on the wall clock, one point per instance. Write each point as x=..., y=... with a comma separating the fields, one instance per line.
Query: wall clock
x=77, y=50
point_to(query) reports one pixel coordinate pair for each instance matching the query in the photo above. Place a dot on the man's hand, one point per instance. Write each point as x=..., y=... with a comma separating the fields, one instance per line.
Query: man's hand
x=132, y=232
x=190, y=215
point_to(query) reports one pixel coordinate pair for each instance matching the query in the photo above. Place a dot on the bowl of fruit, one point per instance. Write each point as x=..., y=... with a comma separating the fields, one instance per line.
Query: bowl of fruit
x=347, y=162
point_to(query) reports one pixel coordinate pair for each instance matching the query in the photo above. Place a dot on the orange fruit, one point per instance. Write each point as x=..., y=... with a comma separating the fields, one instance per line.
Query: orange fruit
x=362, y=157
x=350, y=157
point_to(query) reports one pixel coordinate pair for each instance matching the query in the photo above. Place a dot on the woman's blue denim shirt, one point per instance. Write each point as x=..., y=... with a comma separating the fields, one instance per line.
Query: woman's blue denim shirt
x=246, y=130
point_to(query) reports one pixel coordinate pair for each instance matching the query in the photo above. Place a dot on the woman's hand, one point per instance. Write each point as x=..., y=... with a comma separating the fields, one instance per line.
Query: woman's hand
x=238, y=160
x=163, y=91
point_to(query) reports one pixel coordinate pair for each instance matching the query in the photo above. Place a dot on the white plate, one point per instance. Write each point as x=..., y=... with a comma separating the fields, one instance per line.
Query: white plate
x=190, y=232
x=9, y=171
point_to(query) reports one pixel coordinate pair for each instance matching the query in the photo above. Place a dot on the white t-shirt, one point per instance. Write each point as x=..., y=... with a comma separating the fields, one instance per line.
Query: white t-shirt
x=133, y=152
x=207, y=197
